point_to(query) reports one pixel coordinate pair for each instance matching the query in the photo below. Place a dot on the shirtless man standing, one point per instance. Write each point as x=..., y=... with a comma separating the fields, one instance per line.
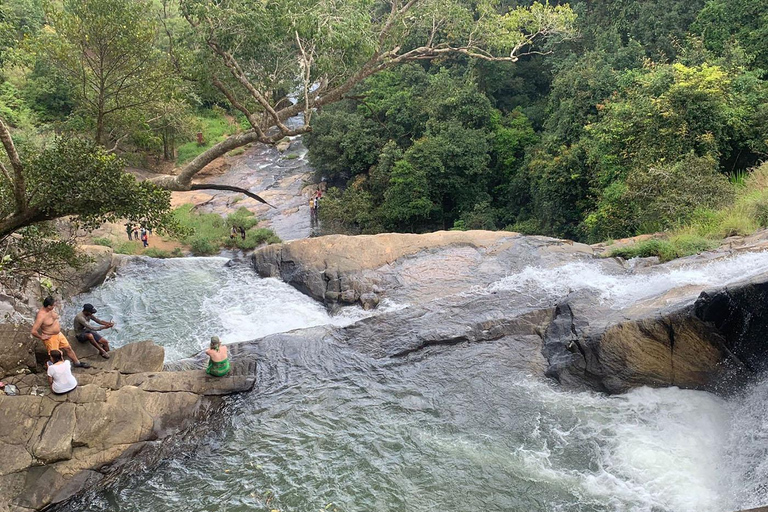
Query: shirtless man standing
x=47, y=328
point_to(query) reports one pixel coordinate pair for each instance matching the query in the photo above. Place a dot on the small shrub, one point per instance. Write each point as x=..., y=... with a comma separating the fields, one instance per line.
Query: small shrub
x=663, y=249
x=203, y=247
x=675, y=247
x=242, y=217
x=526, y=227
x=458, y=225
x=157, y=253
x=176, y=252
x=292, y=156
x=106, y=242
x=126, y=247
x=686, y=244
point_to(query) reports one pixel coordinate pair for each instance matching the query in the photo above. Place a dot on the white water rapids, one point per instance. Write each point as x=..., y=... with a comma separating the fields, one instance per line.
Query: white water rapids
x=454, y=431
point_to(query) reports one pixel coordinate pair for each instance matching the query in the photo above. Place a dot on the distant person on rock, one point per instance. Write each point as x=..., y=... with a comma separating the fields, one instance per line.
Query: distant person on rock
x=60, y=374
x=218, y=364
x=47, y=328
x=129, y=230
x=242, y=232
x=233, y=233
x=144, y=238
x=136, y=233
x=85, y=332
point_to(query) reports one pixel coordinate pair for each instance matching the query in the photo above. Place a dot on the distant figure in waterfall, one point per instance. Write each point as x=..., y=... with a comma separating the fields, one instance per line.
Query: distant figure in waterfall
x=144, y=237
x=129, y=230
x=316, y=204
x=60, y=374
x=218, y=364
x=85, y=332
x=242, y=232
x=48, y=329
x=312, y=218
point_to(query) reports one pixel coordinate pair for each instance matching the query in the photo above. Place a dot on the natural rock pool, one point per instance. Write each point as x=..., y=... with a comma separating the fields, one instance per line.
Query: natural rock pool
x=449, y=428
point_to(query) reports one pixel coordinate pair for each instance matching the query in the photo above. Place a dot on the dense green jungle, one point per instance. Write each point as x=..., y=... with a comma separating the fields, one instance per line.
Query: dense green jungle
x=589, y=120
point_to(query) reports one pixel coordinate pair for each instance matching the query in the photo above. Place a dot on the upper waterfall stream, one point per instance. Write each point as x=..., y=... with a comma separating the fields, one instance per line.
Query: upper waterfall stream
x=446, y=429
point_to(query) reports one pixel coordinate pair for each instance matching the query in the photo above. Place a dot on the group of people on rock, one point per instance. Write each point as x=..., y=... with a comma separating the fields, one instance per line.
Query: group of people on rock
x=48, y=329
x=237, y=231
x=138, y=233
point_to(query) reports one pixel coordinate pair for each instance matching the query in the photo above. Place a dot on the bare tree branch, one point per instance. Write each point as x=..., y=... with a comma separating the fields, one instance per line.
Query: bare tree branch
x=19, y=184
x=229, y=188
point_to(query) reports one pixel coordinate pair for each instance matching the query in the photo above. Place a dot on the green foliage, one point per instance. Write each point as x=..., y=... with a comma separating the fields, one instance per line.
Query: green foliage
x=107, y=51
x=243, y=217
x=744, y=22
x=203, y=246
x=665, y=249
x=343, y=143
x=127, y=247
x=659, y=197
x=75, y=177
x=153, y=252
x=215, y=127
x=106, y=242
x=207, y=233
x=37, y=252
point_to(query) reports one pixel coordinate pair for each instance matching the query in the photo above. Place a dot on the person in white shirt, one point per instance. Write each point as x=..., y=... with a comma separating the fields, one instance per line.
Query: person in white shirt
x=60, y=374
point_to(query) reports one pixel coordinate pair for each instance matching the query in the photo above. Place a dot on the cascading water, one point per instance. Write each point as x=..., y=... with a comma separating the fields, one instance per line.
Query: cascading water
x=181, y=303
x=445, y=429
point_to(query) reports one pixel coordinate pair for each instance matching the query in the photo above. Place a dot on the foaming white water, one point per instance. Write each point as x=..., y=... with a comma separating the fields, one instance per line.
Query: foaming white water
x=746, y=456
x=621, y=290
x=181, y=303
x=657, y=449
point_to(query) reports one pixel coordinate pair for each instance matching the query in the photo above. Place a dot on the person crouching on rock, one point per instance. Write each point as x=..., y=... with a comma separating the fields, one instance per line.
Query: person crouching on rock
x=218, y=364
x=60, y=374
x=86, y=333
x=47, y=328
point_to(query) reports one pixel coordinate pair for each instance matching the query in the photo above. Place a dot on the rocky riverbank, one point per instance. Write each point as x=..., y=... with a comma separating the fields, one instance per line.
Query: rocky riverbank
x=54, y=446
x=685, y=336
x=435, y=290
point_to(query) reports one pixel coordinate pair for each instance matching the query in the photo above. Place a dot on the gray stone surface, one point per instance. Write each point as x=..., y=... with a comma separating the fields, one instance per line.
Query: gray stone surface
x=53, y=445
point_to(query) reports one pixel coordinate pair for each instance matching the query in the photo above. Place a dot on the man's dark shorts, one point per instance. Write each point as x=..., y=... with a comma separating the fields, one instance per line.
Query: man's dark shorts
x=83, y=337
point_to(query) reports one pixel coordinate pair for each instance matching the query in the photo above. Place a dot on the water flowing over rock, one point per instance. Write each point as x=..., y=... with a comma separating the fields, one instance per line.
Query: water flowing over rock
x=663, y=338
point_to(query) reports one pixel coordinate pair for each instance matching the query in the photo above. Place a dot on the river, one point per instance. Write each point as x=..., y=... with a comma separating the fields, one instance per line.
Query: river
x=449, y=429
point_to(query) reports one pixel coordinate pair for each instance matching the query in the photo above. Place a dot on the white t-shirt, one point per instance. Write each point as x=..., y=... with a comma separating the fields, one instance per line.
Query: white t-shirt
x=63, y=380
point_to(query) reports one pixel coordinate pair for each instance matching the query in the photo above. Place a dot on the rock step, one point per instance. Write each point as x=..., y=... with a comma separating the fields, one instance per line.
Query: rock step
x=245, y=368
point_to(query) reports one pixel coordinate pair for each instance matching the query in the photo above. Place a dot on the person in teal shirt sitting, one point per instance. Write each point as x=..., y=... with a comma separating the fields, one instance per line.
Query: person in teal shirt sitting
x=218, y=364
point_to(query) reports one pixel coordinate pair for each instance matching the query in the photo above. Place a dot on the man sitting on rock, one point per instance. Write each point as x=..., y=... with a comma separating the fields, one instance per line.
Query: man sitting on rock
x=85, y=332
x=47, y=328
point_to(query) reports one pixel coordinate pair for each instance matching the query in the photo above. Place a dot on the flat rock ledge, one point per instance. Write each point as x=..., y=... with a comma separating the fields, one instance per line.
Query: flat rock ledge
x=53, y=446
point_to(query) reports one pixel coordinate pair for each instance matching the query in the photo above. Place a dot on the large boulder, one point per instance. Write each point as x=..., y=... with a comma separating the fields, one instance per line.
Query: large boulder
x=17, y=349
x=94, y=272
x=340, y=269
x=55, y=445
